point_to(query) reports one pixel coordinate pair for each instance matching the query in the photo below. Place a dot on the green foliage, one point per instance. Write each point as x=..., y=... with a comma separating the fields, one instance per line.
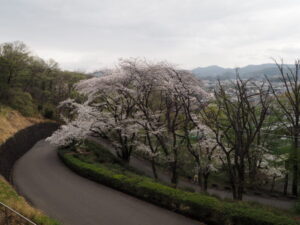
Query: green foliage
x=49, y=111
x=99, y=155
x=103, y=155
x=21, y=101
x=29, y=81
x=199, y=206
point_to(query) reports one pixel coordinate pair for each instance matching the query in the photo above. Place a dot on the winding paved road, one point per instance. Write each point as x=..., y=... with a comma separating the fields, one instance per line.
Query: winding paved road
x=50, y=186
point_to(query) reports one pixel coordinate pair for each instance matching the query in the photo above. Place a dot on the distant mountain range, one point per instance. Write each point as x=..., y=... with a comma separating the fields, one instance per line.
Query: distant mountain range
x=250, y=71
x=97, y=73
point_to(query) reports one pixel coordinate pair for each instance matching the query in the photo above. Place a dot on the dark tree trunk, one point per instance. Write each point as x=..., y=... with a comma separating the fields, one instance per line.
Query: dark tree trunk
x=126, y=158
x=286, y=183
x=295, y=167
x=273, y=184
x=234, y=191
x=205, y=182
x=295, y=179
x=233, y=185
x=200, y=180
x=124, y=154
x=241, y=182
x=240, y=191
x=174, y=179
x=9, y=79
x=154, y=169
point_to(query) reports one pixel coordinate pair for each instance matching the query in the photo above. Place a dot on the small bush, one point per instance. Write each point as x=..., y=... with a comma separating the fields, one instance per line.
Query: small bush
x=199, y=206
x=48, y=113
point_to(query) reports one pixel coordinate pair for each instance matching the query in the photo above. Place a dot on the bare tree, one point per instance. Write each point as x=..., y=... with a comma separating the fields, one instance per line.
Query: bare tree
x=236, y=120
x=289, y=103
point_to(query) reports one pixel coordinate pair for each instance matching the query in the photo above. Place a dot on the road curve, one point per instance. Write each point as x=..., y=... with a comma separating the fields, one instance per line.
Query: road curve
x=50, y=186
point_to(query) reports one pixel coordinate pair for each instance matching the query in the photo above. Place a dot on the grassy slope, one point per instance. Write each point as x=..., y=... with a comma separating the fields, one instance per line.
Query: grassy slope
x=9, y=197
x=11, y=122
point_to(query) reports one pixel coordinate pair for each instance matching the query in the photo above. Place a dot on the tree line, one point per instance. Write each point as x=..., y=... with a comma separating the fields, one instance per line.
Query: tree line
x=30, y=84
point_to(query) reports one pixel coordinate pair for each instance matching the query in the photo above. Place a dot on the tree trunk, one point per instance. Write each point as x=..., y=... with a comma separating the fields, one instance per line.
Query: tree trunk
x=125, y=155
x=286, y=183
x=234, y=191
x=295, y=167
x=295, y=179
x=205, y=182
x=9, y=79
x=241, y=178
x=200, y=180
x=154, y=169
x=273, y=184
x=174, y=179
x=233, y=186
x=126, y=158
x=232, y=177
x=240, y=191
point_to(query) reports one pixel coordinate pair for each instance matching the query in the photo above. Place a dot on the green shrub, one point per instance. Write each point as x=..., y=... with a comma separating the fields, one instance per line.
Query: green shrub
x=189, y=189
x=102, y=154
x=21, y=101
x=48, y=113
x=297, y=207
x=199, y=206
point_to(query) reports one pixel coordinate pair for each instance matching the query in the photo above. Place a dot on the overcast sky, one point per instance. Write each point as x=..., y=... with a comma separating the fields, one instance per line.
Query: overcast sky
x=92, y=34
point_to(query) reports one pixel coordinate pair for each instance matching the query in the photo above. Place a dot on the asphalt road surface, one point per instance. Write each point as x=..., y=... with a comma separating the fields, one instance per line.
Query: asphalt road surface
x=49, y=185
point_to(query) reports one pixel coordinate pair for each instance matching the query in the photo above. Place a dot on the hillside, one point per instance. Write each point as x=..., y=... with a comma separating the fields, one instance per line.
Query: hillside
x=250, y=71
x=11, y=121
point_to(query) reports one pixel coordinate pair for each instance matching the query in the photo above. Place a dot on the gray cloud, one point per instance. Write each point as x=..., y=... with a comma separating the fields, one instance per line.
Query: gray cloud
x=92, y=34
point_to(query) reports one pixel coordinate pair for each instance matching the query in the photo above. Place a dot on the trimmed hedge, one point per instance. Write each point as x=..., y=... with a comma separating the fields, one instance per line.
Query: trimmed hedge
x=198, y=206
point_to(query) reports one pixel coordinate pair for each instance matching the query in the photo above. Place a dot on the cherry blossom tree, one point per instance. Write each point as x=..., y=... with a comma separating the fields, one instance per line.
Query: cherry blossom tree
x=273, y=167
x=137, y=106
x=183, y=96
x=107, y=112
x=75, y=130
x=162, y=94
x=205, y=152
x=117, y=121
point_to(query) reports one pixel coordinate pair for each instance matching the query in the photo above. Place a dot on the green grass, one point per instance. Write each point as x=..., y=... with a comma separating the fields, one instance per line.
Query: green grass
x=105, y=169
x=9, y=197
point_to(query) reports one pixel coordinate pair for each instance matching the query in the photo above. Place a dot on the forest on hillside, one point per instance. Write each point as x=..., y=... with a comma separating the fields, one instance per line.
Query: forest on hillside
x=30, y=84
